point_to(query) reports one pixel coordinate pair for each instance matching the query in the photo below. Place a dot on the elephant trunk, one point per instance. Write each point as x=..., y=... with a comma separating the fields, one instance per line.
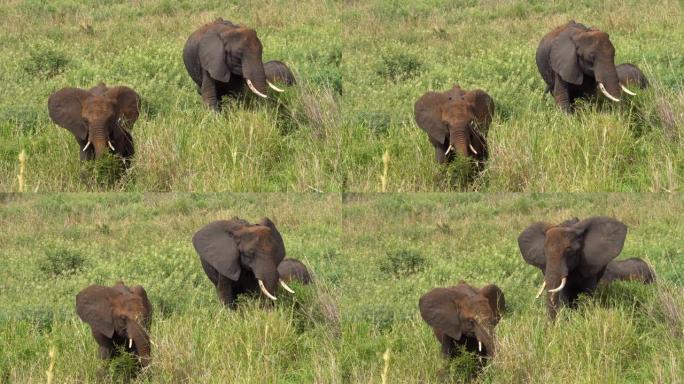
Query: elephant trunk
x=98, y=138
x=141, y=340
x=459, y=138
x=254, y=74
x=485, y=337
x=555, y=278
x=268, y=278
x=607, y=79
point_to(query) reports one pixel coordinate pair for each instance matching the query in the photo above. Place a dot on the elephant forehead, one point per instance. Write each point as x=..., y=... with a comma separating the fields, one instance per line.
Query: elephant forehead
x=455, y=110
x=98, y=106
x=558, y=237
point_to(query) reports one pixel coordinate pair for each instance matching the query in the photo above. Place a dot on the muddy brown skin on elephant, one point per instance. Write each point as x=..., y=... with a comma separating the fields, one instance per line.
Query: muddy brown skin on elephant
x=278, y=72
x=631, y=75
x=574, y=61
x=463, y=316
x=633, y=269
x=100, y=118
x=456, y=122
x=118, y=317
x=239, y=257
x=222, y=58
x=572, y=256
x=293, y=269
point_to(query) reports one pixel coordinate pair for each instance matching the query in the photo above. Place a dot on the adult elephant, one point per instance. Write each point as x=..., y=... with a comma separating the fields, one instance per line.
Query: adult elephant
x=456, y=121
x=278, y=72
x=293, y=269
x=633, y=269
x=222, y=57
x=463, y=316
x=239, y=257
x=574, y=60
x=100, y=118
x=630, y=74
x=119, y=318
x=572, y=256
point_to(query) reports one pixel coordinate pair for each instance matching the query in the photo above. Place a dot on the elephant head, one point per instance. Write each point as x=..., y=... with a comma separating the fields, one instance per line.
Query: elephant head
x=456, y=120
x=573, y=256
x=117, y=313
x=278, y=72
x=578, y=51
x=293, y=269
x=226, y=49
x=464, y=314
x=234, y=246
x=99, y=118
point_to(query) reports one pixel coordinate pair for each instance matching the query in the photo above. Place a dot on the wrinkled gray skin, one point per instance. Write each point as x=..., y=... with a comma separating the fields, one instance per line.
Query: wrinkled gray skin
x=115, y=315
x=578, y=251
x=572, y=59
x=98, y=115
x=633, y=269
x=293, y=269
x=462, y=315
x=278, y=72
x=235, y=255
x=631, y=75
x=220, y=57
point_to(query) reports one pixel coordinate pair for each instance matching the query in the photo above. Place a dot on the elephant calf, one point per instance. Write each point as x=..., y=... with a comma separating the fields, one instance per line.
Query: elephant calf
x=293, y=269
x=119, y=317
x=630, y=74
x=456, y=121
x=463, y=316
x=633, y=269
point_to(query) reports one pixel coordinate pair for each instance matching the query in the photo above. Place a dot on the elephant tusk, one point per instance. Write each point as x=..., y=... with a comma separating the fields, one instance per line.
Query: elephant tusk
x=110, y=145
x=562, y=285
x=285, y=287
x=479, y=345
x=627, y=91
x=541, y=290
x=451, y=148
x=253, y=89
x=608, y=95
x=274, y=87
x=86, y=146
x=265, y=291
x=130, y=343
x=472, y=149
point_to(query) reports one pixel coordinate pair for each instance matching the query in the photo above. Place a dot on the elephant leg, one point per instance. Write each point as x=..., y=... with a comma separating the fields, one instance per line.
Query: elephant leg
x=208, y=90
x=561, y=94
x=225, y=291
x=449, y=348
x=106, y=350
x=439, y=155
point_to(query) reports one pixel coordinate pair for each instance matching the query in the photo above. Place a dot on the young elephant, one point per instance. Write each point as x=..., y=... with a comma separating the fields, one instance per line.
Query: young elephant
x=574, y=60
x=463, y=316
x=633, y=269
x=572, y=256
x=118, y=317
x=100, y=118
x=278, y=72
x=630, y=74
x=293, y=269
x=456, y=121
x=221, y=57
x=239, y=257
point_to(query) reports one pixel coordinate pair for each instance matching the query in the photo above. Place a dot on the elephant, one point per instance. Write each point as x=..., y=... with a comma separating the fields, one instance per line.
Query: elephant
x=221, y=57
x=100, y=118
x=456, y=121
x=118, y=316
x=630, y=74
x=463, y=316
x=239, y=257
x=293, y=269
x=278, y=72
x=633, y=269
x=574, y=60
x=572, y=256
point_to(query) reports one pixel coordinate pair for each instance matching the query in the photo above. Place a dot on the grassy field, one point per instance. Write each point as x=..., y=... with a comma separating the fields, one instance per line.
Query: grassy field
x=53, y=246
x=394, y=51
x=292, y=144
x=399, y=246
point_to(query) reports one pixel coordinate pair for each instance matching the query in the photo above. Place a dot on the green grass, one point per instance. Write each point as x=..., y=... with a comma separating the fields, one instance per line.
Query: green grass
x=54, y=246
x=291, y=144
x=626, y=333
x=395, y=51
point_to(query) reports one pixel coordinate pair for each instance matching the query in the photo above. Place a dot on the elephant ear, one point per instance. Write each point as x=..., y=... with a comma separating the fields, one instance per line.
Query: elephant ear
x=604, y=238
x=531, y=244
x=564, y=60
x=277, y=239
x=439, y=309
x=496, y=300
x=93, y=307
x=139, y=291
x=64, y=108
x=128, y=105
x=212, y=55
x=216, y=245
x=428, y=115
x=482, y=107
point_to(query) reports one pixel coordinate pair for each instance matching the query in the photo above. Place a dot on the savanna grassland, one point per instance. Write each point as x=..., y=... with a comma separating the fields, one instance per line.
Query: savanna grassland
x=399, y=246
x=290, y=143
x=54, y=246
x=394, y=51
